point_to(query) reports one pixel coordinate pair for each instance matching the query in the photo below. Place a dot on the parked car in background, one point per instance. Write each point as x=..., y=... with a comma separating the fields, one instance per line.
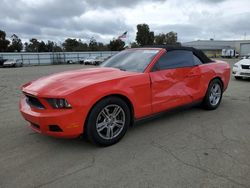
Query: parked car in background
x=82, y=60
x=241, y=69
x=246, y=56
x=136, y=83
x=101, y=59
x=71, y=61
x=94, y=60
x=229, y=53
x=2, y=61
x=90, y=61
x=13, y=63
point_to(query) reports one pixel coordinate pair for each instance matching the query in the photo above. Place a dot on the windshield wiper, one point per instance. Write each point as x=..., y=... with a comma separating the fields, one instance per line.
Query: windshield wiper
x=122, y=69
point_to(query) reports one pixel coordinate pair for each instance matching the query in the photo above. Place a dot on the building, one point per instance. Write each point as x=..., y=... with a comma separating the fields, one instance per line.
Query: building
x=213, y=48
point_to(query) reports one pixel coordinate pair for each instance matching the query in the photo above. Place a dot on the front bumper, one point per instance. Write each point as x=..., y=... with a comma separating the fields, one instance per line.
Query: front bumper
x=69, y=122
x=9, y=65
x=241, y=72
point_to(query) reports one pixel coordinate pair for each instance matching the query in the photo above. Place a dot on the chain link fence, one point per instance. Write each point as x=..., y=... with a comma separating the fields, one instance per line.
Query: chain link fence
x=48, y=58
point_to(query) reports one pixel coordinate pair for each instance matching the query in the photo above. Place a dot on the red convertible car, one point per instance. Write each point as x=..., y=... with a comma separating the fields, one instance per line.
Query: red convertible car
x=135, y=83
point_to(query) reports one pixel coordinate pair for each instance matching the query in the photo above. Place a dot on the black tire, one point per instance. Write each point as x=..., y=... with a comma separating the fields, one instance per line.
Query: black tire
x=207, y=104
x=94, y=115
x=238, y=77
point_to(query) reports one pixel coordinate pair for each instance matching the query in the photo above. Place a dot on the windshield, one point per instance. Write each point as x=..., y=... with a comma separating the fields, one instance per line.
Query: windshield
x=135, y=60
x=9, y=60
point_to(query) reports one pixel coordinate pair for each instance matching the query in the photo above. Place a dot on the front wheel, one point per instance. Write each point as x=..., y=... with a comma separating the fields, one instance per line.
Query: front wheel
x=214, y=95
x=108, y=121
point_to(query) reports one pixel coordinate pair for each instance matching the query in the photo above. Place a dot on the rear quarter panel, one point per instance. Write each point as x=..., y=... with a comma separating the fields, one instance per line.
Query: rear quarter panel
x=216, y=69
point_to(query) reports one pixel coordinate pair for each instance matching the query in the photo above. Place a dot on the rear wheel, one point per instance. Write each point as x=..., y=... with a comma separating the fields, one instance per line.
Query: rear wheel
x=108, y=121
x=214, y=95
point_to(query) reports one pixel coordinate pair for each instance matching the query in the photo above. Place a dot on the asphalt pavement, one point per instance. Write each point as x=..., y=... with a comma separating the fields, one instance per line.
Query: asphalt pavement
x=185, y=148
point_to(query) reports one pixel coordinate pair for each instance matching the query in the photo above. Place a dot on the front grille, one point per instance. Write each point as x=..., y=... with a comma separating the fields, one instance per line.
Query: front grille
x=245, y=66
x=244, y=74
x=34, y=102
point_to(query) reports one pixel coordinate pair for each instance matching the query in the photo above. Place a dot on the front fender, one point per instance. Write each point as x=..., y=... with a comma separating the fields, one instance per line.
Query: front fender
x=135, y=88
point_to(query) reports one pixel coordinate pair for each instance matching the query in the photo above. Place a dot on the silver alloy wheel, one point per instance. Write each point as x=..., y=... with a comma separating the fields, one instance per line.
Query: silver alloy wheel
x=215, y=94
x=110, y=121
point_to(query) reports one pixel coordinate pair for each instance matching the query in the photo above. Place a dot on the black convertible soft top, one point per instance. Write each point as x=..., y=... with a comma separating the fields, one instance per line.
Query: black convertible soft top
x=195, y=51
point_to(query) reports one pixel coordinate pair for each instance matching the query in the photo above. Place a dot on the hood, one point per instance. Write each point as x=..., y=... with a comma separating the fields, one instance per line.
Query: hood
x=61, y=84
x=243, y=62
x=9, y=62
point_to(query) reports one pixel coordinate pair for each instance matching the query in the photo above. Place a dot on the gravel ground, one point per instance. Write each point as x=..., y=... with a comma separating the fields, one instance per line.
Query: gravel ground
x=185, y=148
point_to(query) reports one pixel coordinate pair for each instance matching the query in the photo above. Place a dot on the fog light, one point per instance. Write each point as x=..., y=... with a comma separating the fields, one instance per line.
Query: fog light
x=55, y=128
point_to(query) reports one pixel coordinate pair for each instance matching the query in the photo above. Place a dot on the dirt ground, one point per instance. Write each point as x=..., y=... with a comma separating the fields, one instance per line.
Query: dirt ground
x=186, y=148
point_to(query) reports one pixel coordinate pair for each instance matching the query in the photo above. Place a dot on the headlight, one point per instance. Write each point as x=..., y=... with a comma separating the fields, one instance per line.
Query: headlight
x=236, y=66
x=59, y=103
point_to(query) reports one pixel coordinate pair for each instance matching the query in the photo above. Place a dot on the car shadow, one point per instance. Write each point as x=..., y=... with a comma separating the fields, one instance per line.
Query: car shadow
x=243, y=80
x=159, y=119
x=165, y=116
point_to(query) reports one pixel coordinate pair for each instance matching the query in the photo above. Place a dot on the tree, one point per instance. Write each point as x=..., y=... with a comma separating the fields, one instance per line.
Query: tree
x=134, y=45
x=168, y=38
x=93, y=44
x=57, y=48
x=32, y=46
x=3, y=42
x=50, y=46
x=81, y=46
x=160, y=39
x=144, y=36
x=70, y=45
x=42, y=47
x=102, y=47
x=116, y=45
x=16, y=44
x=171, y=38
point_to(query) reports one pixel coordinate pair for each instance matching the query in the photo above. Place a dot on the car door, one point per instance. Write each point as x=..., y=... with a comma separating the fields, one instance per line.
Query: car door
x=173, y=80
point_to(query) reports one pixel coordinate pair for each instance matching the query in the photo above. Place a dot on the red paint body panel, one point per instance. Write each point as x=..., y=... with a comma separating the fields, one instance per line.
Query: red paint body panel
x=174, y=87
x=148, y=92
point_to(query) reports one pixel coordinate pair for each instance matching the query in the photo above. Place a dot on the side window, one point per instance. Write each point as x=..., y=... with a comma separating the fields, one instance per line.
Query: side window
x=175, y=59
x=197, y=61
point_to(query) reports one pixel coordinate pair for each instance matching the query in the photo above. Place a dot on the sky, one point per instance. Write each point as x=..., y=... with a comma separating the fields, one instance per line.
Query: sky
x=104, y=20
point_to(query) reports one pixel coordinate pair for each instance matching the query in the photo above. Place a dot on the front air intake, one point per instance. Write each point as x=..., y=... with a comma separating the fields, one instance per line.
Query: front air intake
x=55, y=128
x=34, y=102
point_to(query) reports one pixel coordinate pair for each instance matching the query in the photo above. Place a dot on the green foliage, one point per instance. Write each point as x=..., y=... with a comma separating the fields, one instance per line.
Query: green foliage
x=70, y=45
x=116, y=45
x=144, y=36
x=134, y=45
x=16, y=44
x=102, y=47
x=93, y=44
x=3, y=42
x=32, y=46
x=35, y=46
x=168, y=38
